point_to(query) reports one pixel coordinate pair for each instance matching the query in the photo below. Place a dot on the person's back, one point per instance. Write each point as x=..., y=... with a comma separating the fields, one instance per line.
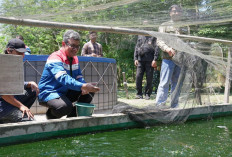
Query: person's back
x=145, y=48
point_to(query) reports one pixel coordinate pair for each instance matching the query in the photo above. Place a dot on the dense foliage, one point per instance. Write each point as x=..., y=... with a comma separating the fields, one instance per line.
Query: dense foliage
x=117, y=46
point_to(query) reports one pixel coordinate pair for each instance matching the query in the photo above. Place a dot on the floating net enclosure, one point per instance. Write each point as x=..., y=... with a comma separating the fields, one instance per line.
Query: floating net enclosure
x=204, y=53
x=102, y=71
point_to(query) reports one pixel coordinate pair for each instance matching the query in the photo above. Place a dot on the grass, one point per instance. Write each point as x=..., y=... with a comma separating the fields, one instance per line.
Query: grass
x=131, y=94
x=216, y=98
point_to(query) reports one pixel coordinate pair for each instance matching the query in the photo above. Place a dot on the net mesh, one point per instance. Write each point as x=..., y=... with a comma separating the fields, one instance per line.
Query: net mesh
x=123, y=13
x=205, y=63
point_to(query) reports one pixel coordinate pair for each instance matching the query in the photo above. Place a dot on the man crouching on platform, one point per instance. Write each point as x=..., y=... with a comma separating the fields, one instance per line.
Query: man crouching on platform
x=15, y=108
x=62, y=82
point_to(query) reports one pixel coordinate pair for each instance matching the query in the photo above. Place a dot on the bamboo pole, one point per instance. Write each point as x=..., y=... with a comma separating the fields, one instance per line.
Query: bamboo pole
x=118, y=30
x=227, y=83
x=125, y=84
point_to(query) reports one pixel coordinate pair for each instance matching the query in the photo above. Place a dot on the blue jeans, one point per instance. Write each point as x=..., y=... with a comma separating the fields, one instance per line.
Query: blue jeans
x=169, y=74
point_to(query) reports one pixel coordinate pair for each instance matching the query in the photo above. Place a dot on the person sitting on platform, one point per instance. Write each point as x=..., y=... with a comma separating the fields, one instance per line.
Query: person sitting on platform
x=62, y=82
x=14, y=108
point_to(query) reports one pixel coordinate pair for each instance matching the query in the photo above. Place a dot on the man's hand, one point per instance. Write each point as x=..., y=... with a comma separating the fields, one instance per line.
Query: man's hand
x=154, y=65
x=94, y=55
x=34, y=87
x=93, y=83
x=171, y=52
x=84, y=92
x=136, y=62
x=88, y=87
x=11, y=100
x=24, y=109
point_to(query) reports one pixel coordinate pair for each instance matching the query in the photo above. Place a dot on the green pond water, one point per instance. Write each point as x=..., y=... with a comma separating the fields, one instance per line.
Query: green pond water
x=196, y=138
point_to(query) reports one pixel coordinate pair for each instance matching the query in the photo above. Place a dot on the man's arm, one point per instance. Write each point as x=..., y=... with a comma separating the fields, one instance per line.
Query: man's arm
x=84, y=50
x=88, y=87
x=136, y=52
x=100, y=51
x=163, y=46
x=11, y=100
x=57, y=70
x=156, y=55
x=33, y=86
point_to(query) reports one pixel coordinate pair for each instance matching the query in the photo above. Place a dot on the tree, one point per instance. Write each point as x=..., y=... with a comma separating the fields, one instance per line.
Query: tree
x=105, y=12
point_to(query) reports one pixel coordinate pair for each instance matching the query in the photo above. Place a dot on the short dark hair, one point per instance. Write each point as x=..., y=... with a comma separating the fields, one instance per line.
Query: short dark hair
x=20, y=37
x=175, y=6
x=71, y=34
x=6, y=52
x=92, y=32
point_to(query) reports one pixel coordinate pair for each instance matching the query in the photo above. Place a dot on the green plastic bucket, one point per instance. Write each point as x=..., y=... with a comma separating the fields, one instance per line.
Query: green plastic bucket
x=84, y=109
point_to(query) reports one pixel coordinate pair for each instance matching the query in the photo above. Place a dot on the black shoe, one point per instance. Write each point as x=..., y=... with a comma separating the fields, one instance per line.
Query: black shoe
x=147, y=97
x=139, y=97
x=73, y=113
x=49, y=114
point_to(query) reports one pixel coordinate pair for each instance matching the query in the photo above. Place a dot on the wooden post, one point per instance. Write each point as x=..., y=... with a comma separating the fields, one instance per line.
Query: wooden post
x=227, y=83
x=125, y=84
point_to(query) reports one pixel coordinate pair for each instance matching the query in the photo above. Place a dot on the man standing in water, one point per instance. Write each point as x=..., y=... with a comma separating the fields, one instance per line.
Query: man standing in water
x=169, y=70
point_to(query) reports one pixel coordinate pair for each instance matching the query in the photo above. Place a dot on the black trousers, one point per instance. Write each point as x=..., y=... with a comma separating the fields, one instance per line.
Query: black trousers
x=144, y=66
x=13, y=114
x=63, y=105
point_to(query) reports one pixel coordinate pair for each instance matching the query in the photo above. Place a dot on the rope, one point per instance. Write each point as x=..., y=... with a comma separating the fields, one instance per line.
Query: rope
x=101, y=76
x=33, y=67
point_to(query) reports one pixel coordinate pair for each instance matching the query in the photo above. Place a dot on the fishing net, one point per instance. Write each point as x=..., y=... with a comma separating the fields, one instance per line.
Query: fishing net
x=203, y=53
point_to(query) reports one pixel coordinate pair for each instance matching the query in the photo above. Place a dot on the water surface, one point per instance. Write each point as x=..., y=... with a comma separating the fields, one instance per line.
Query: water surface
x=197, y=138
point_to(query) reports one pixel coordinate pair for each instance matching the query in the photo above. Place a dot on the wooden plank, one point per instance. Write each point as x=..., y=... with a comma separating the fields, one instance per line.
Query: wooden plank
x=125, y=84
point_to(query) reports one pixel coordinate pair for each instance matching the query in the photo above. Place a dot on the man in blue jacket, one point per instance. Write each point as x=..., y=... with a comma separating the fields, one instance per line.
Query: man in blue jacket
x=62, y=82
